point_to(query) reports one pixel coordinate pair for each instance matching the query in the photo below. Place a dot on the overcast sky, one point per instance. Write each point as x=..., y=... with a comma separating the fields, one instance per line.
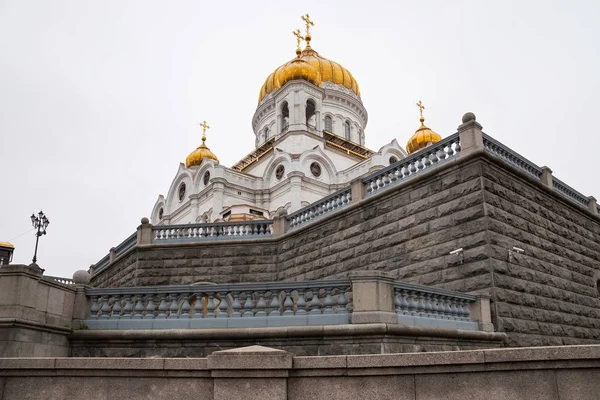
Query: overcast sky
x=100, y=100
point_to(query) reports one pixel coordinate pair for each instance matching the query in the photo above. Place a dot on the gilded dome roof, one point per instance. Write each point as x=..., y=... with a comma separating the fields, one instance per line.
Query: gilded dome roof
x=423, y=136
x=300, y=69
x=7, y=245
x=197, y=156
x=328, y=71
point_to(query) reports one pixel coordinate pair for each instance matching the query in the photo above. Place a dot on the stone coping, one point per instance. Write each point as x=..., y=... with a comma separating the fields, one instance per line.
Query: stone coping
x=582, y=356
x=286, y=332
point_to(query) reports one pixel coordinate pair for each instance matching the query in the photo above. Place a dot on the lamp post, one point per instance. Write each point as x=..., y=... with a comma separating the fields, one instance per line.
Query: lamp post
x=40, y=223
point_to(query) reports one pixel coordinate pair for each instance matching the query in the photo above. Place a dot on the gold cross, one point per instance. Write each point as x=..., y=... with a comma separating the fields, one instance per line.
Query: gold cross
x=204, y=127
x=421, y=108
x=309, y=23
x=299, y=37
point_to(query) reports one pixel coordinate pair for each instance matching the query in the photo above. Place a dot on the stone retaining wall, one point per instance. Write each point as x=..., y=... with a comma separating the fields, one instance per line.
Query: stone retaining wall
x=547, y=295
x=545, y=373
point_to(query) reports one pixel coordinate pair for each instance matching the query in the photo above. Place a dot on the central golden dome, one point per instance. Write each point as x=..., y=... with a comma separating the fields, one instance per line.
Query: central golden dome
x=327, y=71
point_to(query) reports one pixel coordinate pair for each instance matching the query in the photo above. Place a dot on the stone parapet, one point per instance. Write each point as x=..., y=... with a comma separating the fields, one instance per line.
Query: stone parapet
x=567, y=372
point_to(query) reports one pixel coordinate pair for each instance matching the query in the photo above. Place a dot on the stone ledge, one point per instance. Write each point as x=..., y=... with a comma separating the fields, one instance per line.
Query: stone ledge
x=286, y=332
x=37, y=326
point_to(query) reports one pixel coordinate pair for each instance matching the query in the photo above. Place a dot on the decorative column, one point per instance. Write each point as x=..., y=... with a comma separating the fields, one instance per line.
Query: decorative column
x=194, y=208
x=218, y=194
x=296, y=189
x=471, y=136
x=358, y=190
x=482, y=314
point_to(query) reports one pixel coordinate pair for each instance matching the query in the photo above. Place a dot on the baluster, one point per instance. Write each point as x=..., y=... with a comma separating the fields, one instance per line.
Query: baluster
x=328, y=302
x=421, y=305
x=288, y=304
x=369, y=187
x=185, y=306
x=173, y=307
x=94, y=307
x=236, y=305
x=210, y=306
x=315, y=304
x=116, y=310
x=275, y=305
x=301, y=303
x=404, y=302
x=454, y=309
x=412, y=305
x=456, y=147
x=342, y=301
x=411, y=168
x=397, y=301
x=467, y=310
x=223, y=311
x=428, y=306
x=162, y=307
x=138, y=310
x=149, y=308
x=460, y=311
x=128, y=308
x=442, y=307
x=248, y=306
x=261, y=305
x=435, y=312
x=199, y=306
x=105, y=309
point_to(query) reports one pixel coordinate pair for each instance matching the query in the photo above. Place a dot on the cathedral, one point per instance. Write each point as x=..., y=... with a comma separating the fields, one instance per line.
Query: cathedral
x=309, y=126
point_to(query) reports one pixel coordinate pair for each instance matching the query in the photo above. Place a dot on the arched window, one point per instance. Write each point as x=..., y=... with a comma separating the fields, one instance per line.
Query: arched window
x=310, y=113
x=285, y=116
x=266, y=134
x=347, y=130
x=328, y=124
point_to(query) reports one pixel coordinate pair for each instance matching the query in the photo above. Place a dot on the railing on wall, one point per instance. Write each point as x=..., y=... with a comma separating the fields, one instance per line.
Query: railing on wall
x=318, y=209
x=569, y=192
x=496, y=148
x=245, y=305
x=220, y=306
x=217, y=230
x=427, y=306
x=64, y=281
x=414, y=164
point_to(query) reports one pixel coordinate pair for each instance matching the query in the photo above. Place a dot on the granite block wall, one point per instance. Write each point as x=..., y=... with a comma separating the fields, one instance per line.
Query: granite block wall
x=546, y=295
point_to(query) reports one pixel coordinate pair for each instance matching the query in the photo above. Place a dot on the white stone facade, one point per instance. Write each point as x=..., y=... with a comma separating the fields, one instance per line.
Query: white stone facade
x=301, y=167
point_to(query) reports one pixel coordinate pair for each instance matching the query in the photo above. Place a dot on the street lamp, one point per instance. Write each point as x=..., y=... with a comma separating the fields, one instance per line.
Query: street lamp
x=40, y=223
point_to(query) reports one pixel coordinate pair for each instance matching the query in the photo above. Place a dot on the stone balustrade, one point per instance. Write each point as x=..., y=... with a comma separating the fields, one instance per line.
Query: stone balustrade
x=316, y=210
x=569, y=192
x=499, y=150
x=64, y=281
x=217, y=230
x=220, y=306
x=426, y=306
x=414, y=164
x=322, y=302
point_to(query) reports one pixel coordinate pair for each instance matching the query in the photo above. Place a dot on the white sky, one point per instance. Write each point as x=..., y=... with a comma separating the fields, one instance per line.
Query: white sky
x=100, y=100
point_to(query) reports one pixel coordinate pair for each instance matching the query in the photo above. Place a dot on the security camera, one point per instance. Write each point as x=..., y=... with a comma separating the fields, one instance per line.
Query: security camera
x=456, y=251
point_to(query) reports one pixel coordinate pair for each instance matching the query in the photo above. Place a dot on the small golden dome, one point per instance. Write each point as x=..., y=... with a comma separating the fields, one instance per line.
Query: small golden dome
x=197, y=156
x=328, y=71
x=423, y=136
x=7, y=245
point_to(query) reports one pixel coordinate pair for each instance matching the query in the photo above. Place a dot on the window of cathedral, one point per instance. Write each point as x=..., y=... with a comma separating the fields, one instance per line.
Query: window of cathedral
x=266, y=133
x=310, y=113
x=328, y=124
x=206, y=178
x=285, y=116
x=393, y=160
x=279, y=172
x=347, y=130
x=181, y=191
x=315, y=169
x=161, y=213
